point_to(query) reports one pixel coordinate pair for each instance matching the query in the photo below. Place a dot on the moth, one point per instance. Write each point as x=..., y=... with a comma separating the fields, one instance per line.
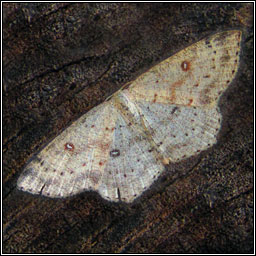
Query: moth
x=120, y=147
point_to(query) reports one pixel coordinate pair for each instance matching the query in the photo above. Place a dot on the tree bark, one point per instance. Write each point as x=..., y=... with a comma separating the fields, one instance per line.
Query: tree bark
x=62, y=59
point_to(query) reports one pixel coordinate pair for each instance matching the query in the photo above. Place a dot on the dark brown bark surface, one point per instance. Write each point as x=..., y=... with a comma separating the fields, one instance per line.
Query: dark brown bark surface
x=62, y=59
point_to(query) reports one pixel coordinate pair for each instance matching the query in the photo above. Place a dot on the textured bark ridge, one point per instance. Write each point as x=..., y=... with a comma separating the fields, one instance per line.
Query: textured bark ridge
x=63, y=59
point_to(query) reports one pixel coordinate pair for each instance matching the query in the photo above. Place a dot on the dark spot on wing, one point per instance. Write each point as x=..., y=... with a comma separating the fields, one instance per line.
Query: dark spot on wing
x=225, y=58
x=174, y=109
x=69, y=146
x=185, y=65
x=119, y=194
x=155, y=96
x=114, y=153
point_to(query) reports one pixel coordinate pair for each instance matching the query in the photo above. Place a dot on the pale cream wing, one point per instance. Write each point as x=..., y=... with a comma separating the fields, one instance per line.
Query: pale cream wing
x=119, y=147
x=74, y=161
x=133, y=165
x=177, y=99
x=195, y=76
x=180, y=131
x=101, y=151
